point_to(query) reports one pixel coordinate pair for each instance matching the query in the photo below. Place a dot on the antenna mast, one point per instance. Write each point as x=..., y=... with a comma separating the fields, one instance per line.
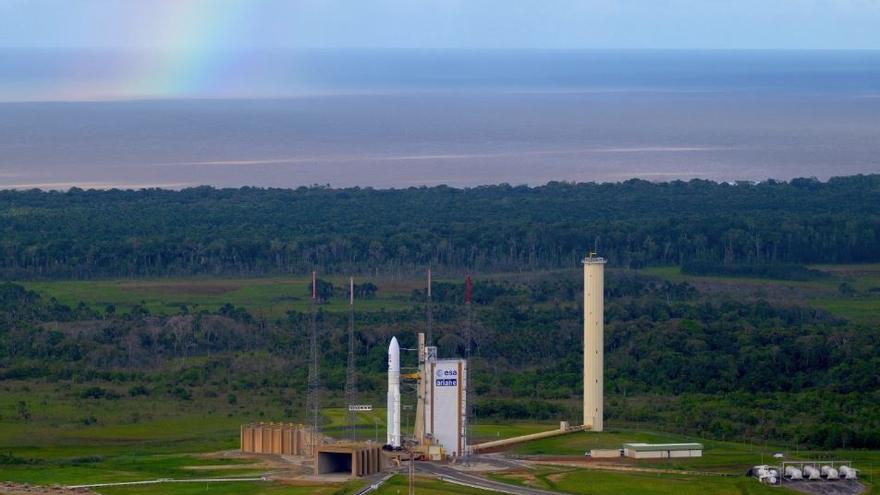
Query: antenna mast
x=430, y=310
x=351, y=376
x=313, y=398
x=467, y=355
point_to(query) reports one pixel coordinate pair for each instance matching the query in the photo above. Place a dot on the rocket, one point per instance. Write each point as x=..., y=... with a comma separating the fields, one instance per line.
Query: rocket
x=393, y=427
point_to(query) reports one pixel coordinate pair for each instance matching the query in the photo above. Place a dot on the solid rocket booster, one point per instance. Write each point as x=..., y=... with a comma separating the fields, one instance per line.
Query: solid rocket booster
x=393, y=426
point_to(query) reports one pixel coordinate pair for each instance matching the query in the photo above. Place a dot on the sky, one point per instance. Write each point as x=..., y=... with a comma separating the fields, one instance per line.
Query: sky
x=434, y=24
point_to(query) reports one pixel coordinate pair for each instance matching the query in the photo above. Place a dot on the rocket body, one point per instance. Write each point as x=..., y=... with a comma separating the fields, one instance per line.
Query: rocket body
x=393, y=427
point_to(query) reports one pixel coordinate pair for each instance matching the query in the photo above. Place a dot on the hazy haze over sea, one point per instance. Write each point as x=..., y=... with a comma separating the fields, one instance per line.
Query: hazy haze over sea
x=404, y=118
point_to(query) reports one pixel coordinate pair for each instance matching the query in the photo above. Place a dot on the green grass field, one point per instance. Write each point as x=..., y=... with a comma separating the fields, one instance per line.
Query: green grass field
x=263, y=297
x=732, y=459
x=273, y=297
x=863, y=306
x=228, y=488
x=399, y=484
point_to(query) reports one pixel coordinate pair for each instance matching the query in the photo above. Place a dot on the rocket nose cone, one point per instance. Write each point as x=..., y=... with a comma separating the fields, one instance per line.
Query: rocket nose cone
x=394, y=354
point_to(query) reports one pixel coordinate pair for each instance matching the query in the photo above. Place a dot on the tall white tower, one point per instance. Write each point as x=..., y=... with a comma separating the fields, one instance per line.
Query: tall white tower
x=594, y=326
x=393, y=426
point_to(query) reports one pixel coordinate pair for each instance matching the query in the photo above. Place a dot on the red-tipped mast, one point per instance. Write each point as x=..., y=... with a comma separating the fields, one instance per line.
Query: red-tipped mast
x=429, y=283
x=467, y=289
x=351, y=291
x=314, y=285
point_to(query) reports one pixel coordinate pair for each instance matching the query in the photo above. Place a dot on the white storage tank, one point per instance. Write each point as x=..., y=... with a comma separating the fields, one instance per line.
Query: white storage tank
x=793, y=473
x=812, y=473
x=830, y=473
x=849, y=473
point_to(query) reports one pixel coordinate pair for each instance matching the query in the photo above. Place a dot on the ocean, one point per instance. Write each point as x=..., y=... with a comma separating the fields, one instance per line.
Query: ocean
x=403, y=118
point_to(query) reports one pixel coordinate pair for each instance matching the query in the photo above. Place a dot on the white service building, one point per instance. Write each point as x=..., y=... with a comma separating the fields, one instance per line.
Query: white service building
x=662, y=450
x=446, y=404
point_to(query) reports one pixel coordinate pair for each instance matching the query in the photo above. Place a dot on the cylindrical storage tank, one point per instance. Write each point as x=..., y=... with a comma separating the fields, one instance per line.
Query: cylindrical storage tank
x=812, y=473
x=794, y=473
x=849, y=473
x=830, y=473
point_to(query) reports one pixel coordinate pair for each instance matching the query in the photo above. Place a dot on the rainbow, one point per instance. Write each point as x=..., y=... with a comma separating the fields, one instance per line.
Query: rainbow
x=190, y=34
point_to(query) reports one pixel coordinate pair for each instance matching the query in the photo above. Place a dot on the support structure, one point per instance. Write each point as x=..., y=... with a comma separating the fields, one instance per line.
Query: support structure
x=594, y=324
x=351, y=373
x=420, y=424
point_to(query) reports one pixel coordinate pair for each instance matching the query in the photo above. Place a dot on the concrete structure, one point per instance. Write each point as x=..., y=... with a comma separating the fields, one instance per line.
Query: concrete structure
x=353, y=459
x=446, y=409
x=564, y=429
x=393, y=424
x=662, y=450
x=594, y=325
x=277, y=438
x=604, y=453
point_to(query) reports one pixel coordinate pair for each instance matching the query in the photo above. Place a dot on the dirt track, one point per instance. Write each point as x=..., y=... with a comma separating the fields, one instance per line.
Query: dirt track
x=842, y=487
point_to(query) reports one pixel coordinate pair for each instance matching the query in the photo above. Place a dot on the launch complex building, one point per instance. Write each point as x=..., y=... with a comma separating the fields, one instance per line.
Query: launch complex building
x=440, y=426
x=441, y=411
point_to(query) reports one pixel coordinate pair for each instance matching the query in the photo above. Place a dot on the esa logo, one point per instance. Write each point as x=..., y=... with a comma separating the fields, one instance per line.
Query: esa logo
x=446, y=378
x=445, y=373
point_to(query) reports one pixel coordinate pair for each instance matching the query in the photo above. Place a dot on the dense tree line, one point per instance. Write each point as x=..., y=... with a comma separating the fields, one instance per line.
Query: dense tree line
x=83, y=234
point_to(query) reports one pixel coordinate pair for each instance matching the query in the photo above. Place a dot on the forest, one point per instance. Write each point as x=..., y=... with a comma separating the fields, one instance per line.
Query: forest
x=765, y=365
x=717, y=367
x=85, y=234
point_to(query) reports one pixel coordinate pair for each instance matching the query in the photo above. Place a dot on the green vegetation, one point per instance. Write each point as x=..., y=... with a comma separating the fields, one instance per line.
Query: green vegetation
x=147, y=325
x=712, y=366
x=778, y=271
x=263, y=297
x=248, y=231
x=848, y=291
x=228, y=488
x=399, y=484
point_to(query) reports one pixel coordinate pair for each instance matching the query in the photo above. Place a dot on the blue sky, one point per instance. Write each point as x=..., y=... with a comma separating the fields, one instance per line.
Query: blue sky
x=544, y=24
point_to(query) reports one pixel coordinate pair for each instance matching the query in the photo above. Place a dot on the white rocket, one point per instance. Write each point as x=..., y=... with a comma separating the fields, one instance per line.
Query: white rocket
x=393, y=427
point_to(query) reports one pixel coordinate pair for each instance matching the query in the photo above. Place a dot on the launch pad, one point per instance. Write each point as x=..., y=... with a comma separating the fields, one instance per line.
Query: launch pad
x=440, y=428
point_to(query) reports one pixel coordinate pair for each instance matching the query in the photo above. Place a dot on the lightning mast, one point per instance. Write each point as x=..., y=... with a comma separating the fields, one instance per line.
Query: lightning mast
x=467, y=355
x=313, y=398
x=351, y=376
x=430, y=310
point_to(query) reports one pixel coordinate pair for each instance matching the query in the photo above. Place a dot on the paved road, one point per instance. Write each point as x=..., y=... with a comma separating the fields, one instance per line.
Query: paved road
x=449, y=473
